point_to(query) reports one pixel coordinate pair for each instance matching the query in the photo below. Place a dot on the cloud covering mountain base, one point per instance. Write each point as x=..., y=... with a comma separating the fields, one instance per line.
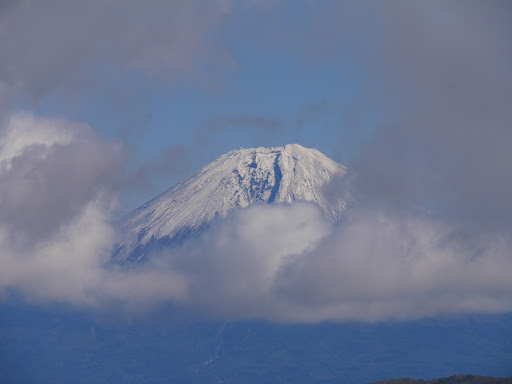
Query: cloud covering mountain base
x=284, y=263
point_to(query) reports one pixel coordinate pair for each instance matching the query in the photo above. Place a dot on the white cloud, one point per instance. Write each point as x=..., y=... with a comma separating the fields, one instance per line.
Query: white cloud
x=57, y=183
x=288, y=264
x=275, y=262
x=23, y=130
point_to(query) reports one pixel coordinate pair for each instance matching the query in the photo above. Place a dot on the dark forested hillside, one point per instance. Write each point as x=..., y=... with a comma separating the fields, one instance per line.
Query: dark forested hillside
x=455, y=379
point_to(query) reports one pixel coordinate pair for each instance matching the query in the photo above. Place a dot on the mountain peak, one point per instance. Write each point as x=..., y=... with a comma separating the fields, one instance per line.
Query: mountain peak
x=237, y=179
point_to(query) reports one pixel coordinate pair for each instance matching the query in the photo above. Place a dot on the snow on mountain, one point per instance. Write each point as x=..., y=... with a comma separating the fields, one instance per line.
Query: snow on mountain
x=238, y=179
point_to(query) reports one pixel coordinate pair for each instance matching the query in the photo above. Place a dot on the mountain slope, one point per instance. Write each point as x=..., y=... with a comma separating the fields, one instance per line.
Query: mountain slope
x=238, y=179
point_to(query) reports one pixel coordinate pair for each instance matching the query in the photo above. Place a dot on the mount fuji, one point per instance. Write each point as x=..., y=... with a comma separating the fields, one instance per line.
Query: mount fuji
x=238, y=179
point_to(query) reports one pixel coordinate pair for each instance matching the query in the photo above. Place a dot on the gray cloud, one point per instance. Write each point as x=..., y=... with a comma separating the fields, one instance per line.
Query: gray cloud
x=386, y=265
x=49, y=45
x=51, y=169
x=373, y=266
x=57, y=194
x=446, y=146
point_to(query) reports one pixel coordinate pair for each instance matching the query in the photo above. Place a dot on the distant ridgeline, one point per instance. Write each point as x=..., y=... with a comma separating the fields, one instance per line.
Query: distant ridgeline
x=455, y=379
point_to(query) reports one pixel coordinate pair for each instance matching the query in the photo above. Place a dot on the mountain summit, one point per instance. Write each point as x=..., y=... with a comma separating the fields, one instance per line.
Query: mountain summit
x=238, y=179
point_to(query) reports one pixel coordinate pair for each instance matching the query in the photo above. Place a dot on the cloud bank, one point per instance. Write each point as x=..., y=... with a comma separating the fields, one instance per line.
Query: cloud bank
x=288, y=264
x=282, y=263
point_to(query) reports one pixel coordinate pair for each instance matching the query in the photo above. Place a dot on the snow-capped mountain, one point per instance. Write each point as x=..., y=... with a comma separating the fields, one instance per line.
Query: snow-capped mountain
x=237, y=179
